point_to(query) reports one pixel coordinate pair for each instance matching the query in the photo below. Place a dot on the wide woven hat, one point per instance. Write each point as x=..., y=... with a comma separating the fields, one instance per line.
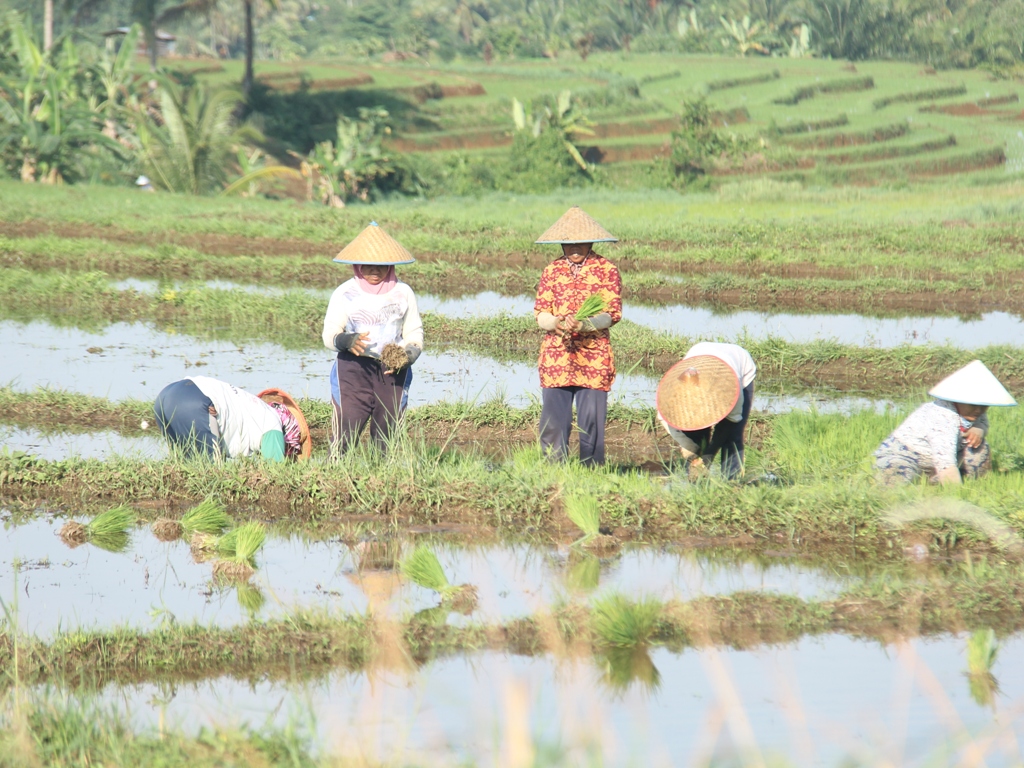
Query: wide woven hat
x=576, y=226
x=974, y=384
x=275, y=395
x=697, y=392
x=374, y=246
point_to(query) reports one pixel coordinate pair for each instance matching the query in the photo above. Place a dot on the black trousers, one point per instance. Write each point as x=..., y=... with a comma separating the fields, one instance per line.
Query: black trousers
x=183, y=416
x=364, y=393
x=556, y=422
x=726, y=436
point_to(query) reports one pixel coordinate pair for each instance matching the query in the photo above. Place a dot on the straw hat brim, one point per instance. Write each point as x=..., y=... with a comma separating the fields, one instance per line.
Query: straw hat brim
x=576, y=226
x=374, y=246
x=275, y=395
x=692, y=402
x=974, y=384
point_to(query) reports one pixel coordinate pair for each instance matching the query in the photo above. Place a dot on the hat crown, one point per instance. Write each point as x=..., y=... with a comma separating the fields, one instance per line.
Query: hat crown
x=974, y=384
x=576, y=226
x=697, y=392
x=374, y=246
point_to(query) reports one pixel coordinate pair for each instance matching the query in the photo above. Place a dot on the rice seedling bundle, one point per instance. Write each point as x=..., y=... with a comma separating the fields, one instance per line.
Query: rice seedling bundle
x=230, y=570
x=111, y=522
x=202, y=545
x=73, y=533
x=242, y=543
x=250, y=598
x=422, y=567
x=206, y=517
x=393, y=357
x=624, y=624
x=594, y=305
x=585, y=513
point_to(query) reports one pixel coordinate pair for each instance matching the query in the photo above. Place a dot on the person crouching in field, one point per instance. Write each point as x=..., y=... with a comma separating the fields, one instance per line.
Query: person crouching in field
x=704, y=403
x=576, y=361
x=207, y=417
x=374, y=326
x=945, y=440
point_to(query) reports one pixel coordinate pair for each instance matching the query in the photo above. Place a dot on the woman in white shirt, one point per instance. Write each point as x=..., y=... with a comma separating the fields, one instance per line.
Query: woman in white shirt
x=704, y=403
x=367, y=314
x=944, y=440
x=207, y=417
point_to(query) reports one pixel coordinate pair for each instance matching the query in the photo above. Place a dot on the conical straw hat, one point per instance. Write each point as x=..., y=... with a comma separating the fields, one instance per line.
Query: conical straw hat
x=576, y=226
x=275, y=395
x=973, y=384
x=374, y=246
x=697, y=392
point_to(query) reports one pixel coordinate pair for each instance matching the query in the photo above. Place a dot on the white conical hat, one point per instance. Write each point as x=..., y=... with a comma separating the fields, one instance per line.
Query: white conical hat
x=973, y=384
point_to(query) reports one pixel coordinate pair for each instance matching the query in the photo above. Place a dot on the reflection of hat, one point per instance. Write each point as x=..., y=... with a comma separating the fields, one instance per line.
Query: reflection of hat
x=576, y=226
x=374, y=246
x=973, y=384
x=275, y=395
x=697, y=392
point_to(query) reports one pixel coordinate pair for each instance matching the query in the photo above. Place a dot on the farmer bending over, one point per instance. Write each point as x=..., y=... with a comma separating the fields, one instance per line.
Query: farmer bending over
x=945, y=440
x=704, y=402
x=374, y=326
x=576, y=361
x=208, y=417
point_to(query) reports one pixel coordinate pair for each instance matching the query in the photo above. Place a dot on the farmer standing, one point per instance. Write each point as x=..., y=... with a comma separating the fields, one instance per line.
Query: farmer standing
x=944, y=440
x=576, y=361
x=208, y=417
x=373, y=325
x=704, y=402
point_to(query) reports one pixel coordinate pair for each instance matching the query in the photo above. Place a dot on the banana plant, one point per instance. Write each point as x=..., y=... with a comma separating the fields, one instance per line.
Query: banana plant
x=801, y=45
x=568, y=121
x=743, y=33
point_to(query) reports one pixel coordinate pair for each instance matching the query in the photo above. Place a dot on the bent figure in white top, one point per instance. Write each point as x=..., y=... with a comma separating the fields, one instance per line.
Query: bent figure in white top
x=944, y=441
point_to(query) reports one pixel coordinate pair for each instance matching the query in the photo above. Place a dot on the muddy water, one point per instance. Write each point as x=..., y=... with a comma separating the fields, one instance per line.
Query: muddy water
x=813, y=702
x=94, y=445
x=152, y=580
x=135, y=360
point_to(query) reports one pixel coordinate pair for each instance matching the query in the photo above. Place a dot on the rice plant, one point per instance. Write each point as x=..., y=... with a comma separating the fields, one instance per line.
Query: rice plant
x=982, y=649
x=594, y=304
x=585, y=512
x=624, y=666
x=240, y=544
x=624, y=624
x=422, y=567
x=108, y=530
x=206, y=517
x=584, y=575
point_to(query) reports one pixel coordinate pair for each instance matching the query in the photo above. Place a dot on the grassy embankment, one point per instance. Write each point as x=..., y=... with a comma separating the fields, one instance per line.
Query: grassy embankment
x=294, y=321
x=828, y=496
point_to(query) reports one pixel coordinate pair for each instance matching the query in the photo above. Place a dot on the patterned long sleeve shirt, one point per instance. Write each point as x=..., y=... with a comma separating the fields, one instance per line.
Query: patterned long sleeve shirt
x=582, y=359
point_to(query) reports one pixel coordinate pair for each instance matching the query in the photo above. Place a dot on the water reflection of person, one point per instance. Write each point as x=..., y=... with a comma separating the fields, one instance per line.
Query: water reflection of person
x=704, y=403
x=365, y=314
x=207, y=417
x=945, y=440
x=576, y=361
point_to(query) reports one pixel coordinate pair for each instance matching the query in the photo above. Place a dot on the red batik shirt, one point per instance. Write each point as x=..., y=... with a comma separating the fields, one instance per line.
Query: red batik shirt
x=581, y=359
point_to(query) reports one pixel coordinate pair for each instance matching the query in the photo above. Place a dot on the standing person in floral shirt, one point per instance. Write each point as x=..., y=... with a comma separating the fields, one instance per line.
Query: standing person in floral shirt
x=576, y=361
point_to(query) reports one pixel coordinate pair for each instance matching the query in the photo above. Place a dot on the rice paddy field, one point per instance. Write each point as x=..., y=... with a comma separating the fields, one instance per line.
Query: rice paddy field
x=461, y=601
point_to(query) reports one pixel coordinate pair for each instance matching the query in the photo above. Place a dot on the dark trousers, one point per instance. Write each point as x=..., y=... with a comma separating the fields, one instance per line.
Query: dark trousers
x=556, y=422
x=726, y=436
x=183, y=416
x=361, y=392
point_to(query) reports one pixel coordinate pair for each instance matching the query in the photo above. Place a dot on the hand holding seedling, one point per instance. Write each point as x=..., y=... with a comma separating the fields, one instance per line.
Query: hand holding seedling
x=360, y=345
x=975, y=437
x=567, y=325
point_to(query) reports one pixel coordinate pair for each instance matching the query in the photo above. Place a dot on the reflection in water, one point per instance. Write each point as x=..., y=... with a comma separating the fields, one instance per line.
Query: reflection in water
x=625, y=666
x=982, y=649
x=583, y=572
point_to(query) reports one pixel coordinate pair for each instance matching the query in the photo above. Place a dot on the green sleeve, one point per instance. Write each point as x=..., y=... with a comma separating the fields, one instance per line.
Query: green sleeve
x=272, y=445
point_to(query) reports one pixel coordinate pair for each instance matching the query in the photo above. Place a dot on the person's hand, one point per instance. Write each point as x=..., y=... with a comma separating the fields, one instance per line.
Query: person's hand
x=212, y=410
x=975, y=437
x=360, y=345
x=567, y=325
x=696, y=470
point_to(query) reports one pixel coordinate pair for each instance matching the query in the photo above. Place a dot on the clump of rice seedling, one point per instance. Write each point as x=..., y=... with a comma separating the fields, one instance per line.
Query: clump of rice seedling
x=982, y=649
x=238, y=548
x=203, y=546
x=624, y=624
x=423, y=568
x=250, y=598
x=584, y=575
x=108, y=530
x=167, y=530
x=624, y=666
x=595, y=304
x=585, y=511
x=206, y=517
x=394, y=357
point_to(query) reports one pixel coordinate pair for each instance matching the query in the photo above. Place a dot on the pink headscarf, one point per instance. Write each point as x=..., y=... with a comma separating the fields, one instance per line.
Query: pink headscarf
x=390, y=280
x=291, y=429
